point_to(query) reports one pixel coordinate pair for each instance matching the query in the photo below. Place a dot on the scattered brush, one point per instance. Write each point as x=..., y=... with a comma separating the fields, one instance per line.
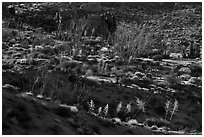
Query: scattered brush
x=37, y=82
x=133, y=41
x=8, y=34
x=80, y=93
x=173, y=80
x=83, y=96
x=74, y=35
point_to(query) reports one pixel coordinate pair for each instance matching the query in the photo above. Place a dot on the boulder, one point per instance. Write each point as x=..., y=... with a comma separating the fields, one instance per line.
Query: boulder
x=132, y=122
x=149, y=75
x=104, y=49
x=12, y=41
x=22, y=61
x=176, y=55
x=195, y=80
x=163, y=83
x=139, y=74
x=184, y=70
x=184, y=77
x=17, y=55
x=71, y=108
x=116, y=120
x=10, y=88
x=89, y=72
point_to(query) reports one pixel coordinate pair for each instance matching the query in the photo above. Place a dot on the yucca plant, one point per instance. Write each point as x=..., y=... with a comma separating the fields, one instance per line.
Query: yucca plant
x=130, y=59
x=105, y=110
x=91, y=106
x=106, y=67
x=128, y=108
x=99, y=66
x=175, y=108
x=141, y=105
x=119, y=107
x=102, y=66
x=99, y=110
x=171, y=108
x=167, y=107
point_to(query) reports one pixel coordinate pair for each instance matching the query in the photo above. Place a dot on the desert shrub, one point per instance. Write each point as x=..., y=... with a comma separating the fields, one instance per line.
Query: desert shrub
x=173, y=80
x=158, y=122
x=66, y=90
x=157, y=57
x=39, y=39
x=196, y=70
x=65, y=48
x=46, y=41
x=171, y=32
x=48, y=51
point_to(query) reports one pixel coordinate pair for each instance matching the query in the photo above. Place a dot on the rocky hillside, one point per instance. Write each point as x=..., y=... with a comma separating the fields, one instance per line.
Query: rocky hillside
x=58, y=83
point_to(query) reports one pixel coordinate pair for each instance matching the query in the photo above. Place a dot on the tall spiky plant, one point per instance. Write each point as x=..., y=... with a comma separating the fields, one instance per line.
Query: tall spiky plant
x=118, y=109
x=99, y=110
x=175, y=108
x=105, y=110
x=91, y=106
x=141, y=105
x=167, y=107
x=128, y=108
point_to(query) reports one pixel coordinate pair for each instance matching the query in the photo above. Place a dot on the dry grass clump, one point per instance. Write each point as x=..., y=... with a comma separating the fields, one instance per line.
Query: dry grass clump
x=132, y=40
x=173, y=80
